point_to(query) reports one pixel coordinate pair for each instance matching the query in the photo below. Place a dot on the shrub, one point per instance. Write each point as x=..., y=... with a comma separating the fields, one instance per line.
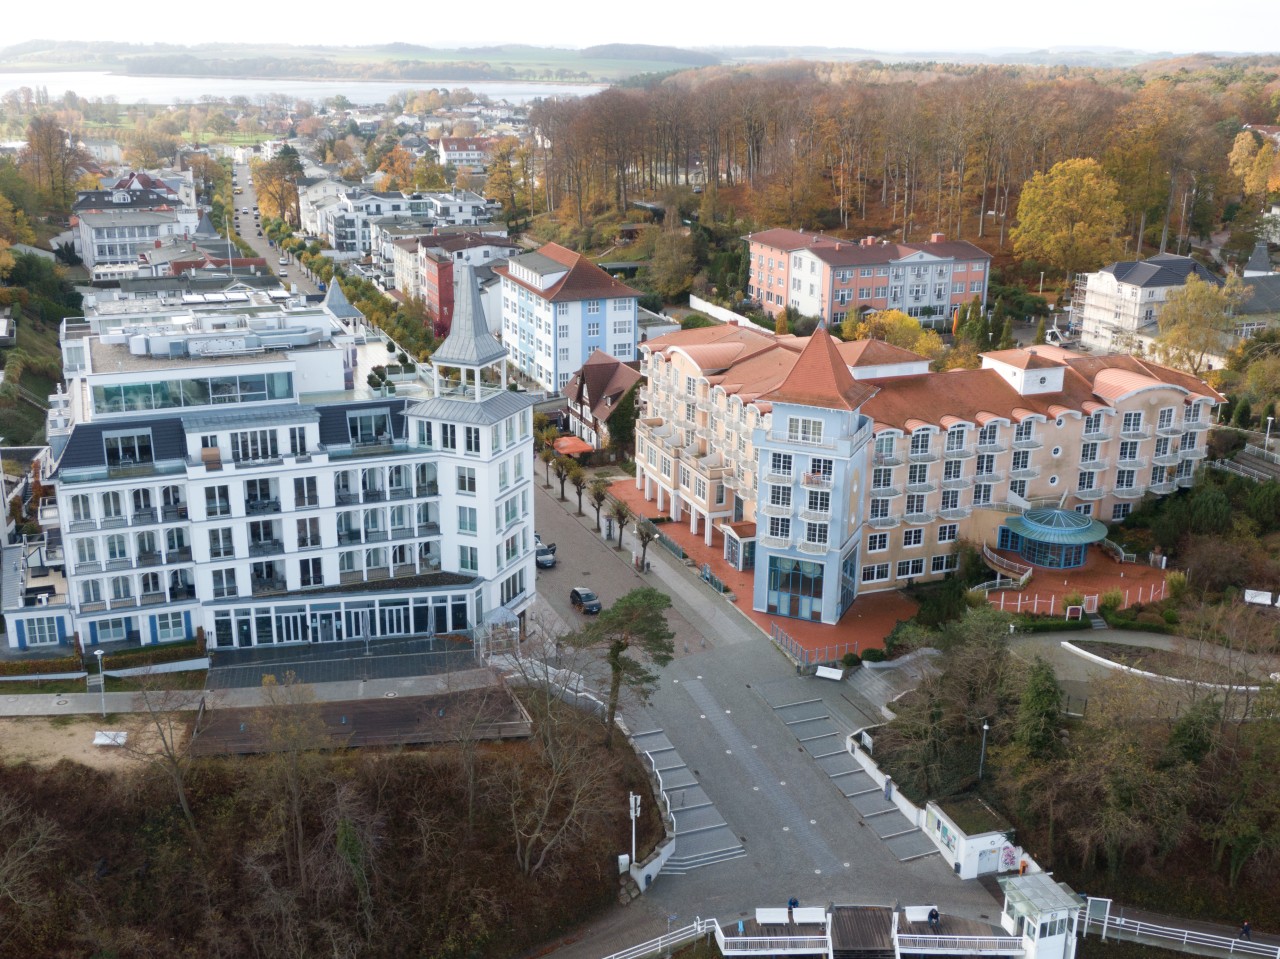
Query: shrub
x=975, y=598
x=850, y=660
x=1074, y=598
x=1177, y=584
x=34, y=667
x=873, y=656
x=1171, y=616
x=1111, y=599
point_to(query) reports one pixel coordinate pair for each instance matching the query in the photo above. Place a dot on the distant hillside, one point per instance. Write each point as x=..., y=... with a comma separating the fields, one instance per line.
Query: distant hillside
x=642, y=51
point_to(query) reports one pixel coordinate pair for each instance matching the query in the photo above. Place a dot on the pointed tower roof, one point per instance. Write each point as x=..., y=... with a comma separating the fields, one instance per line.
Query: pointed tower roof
x=469, y=342
x=821, y=378
x=336, y=302
x=205, y=226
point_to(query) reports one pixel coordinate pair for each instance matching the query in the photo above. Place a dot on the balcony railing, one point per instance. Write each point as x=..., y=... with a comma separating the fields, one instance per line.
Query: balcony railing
x=1030, y=443
x=1096, y=436
x=922, y=456
x=925, y=487
x=1163, y=489
x=257, y=507
x=1095, y=464
x=775, y=542
x=1185, y=481
x=1142, y=433
x=807, y=547
x=1196, y=425
x=995, y=476
x=992, y=448
x=427, y=489
x=886, y=459
x=776, y=509
x=957, y=454
x=1195, y=453
x=1090, y=494
x=886, y=492
x=815, y=516
x=957, y=482
x=1026, y=472
x=779, y=479
x=269, y=547
x=917, y=519
x=816, y=480
x=884, y=522
x=1132, y=462
x=1173, y=429
x=955, y=512
x=1129, y=492
x=1167, y=459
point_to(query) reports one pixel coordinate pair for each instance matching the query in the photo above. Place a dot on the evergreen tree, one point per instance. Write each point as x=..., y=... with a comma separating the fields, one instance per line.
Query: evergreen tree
x=1007, y=342
x=1243, y=414
x=1040, y=334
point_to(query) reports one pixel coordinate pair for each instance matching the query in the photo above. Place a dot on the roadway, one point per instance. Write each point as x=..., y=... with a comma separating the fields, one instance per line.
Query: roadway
x=802, y=836
x=248, y=228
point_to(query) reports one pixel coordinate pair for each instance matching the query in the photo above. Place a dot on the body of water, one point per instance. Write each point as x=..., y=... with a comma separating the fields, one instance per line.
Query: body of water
x=130, y=89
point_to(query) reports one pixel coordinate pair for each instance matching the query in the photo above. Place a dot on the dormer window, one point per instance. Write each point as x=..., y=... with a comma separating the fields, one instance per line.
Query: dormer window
x=128, y=449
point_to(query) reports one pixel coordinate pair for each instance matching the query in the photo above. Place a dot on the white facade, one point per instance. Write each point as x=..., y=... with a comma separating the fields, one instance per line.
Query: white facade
x=231, y=472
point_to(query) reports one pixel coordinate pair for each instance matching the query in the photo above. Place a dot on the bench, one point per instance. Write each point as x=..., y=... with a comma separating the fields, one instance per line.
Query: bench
x=830, y=672
x=110, y=739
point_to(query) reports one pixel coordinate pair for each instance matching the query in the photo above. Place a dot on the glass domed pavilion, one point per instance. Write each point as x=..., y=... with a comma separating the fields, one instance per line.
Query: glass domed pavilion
x=1053, y=538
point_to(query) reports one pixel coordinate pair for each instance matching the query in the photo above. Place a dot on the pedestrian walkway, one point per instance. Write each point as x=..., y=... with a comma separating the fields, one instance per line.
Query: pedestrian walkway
x=818, y=734
x=703, y=838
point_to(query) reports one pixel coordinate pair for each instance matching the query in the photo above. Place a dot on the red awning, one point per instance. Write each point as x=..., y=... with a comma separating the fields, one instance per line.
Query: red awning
x=572, y=446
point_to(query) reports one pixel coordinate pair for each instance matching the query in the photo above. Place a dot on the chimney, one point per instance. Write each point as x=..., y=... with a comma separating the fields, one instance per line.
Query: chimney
x=837, y=247
x=869, y=241
x=157, y=244
x=937, y=237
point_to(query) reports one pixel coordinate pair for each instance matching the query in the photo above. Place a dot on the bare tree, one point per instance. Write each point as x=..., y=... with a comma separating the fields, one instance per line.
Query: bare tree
x=28, y=842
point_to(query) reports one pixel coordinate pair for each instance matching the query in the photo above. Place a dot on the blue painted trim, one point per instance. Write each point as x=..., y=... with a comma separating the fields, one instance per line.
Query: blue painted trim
x=22, y=634
x=155, y=630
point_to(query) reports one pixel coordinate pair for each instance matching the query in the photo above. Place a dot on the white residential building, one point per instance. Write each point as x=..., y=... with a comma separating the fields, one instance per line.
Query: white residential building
x=1118, y=308
x=229, y=471
x=557, y=308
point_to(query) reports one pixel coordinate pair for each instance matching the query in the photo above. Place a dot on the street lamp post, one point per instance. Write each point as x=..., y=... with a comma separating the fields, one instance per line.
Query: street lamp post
x=634, y=806
x=1266, y=444
x=102, y=681
x=982, y=756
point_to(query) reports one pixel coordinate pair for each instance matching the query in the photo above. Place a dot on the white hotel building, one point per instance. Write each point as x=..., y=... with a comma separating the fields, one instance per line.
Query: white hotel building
x=230, y=471
x=558, y=308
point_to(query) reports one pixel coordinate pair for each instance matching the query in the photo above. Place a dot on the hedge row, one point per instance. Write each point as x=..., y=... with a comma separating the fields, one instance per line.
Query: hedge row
x=1050, y=625
x=34, y=667
x=152, y=655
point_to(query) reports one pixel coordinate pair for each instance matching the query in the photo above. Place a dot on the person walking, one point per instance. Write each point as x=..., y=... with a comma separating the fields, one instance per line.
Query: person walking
x=1246, y=931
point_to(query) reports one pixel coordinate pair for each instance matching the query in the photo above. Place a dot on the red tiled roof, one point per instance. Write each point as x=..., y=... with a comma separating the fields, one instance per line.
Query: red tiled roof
x=876, y=353
x=1022, y=359
x=821, y=378
x=606, y=380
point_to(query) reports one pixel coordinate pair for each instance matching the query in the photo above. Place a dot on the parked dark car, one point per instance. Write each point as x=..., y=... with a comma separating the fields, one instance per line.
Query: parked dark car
x=583, y=599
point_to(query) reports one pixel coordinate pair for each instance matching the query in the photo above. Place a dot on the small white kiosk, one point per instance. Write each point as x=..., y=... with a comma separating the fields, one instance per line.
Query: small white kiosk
x=1043, y=913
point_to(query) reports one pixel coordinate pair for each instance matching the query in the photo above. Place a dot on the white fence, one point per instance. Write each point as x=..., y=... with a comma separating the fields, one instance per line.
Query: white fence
x=722, y=315
x=1189, y=939
x=1052, y=604
x=674, y=938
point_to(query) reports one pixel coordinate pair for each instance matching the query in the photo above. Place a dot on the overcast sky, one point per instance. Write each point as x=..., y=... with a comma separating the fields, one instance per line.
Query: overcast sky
x=1173, y=25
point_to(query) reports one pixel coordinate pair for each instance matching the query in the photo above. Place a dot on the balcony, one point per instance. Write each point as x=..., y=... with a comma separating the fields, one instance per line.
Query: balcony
x=1185, y=481
x=775, y=542
x=1173, y=429
x=346, y=498
x=1141, y=433
x=1091, y=494
x=1096, y=436
x=348, y=536
x=1168, y=459
x=154, y=599
x=807, y=547
x=886, y=492
x=1027, y=472
x=180, y=555
x=1132, y=462
x=925, y=487
x=427, y=489
x=1196, y=425
x=884, y=522
x=955, y=512
x=918, y=519
x=814, y=516
x=1129, y=492
x=82, y=568
x=374, y=495
x=1095, y=464
x=376, y=536
x=150, y=559
x=257, y=507
x=428, y=529
x=995, y=476
x=958, y=454
x=922, y=456
x=1030, y=443
x=730, y=482
x=992, y=448
x=779, y=479
x=886, y=459
x=174, y=514
x=1195, y=453
x=400, y=492
x=123, y=562
x=816, y=480
x=776, y=509
x=143, y=517
x=266, y=547
x=1163, y=489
